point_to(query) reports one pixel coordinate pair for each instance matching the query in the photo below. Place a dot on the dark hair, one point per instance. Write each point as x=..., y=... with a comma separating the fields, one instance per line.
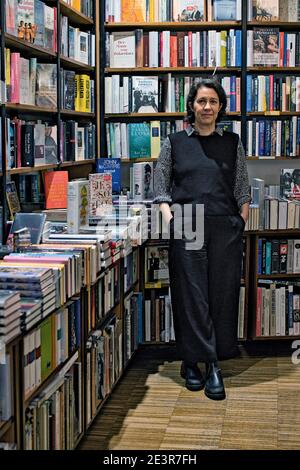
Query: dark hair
x=209, y=83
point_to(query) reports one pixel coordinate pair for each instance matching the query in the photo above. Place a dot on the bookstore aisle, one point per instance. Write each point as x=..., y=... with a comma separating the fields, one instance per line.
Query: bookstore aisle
x=151, y=409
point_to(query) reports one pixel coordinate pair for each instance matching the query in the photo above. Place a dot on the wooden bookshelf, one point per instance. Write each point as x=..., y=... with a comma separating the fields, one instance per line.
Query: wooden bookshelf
x=155, y=115
x=77, y=114
x=271, y=24
x=28, y=108
x=186, y=70
x=273, y=113
x=68, y=63
x=264, y=158
x=136, y=160
x=75, y=15
x=175, y=25
x=28, y=48
x=32, y=169
x=273, y=69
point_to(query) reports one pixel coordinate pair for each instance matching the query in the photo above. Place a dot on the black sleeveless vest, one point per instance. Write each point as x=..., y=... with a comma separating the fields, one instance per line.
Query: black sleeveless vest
x=201, y=179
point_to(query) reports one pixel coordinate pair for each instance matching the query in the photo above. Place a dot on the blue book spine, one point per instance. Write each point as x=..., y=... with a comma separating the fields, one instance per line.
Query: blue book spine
x=249, y=94
x=238, y=48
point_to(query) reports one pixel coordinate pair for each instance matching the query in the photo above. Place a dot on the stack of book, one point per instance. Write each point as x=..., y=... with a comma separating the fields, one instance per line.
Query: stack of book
x=9, y=315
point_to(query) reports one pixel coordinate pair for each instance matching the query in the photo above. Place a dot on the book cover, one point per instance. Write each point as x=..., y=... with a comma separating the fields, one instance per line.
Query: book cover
x=133, y=11
x=123, y=49
x=266, y=10
x=290, y=183
x=192, y=10
x=46, y=85
x=56, y=189
x=12, y=198
x=266, y=46
x=224, y=10
x=51, y=144
x=113, y=166
x=77, y=213
x=145, y=94
x=139, y=140
x=99, y=194
x=34, y=222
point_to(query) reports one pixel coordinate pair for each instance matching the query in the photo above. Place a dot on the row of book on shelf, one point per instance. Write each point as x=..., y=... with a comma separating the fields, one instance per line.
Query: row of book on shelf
x=145, y=139
x=30, y=82
x=164, y=93
x=34, y=143
x=275, y=207
x=33, y=21
x=173, y=49
x=138, y=11
x=36, y=22
x=76, y=44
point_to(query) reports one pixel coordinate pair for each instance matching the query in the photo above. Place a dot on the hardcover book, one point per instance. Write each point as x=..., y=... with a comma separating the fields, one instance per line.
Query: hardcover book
x=192, y=10
x=266, y=10
x=56, y=184
x=266, y=46
x=99, y=195
x=145, y=94
x=113, y=166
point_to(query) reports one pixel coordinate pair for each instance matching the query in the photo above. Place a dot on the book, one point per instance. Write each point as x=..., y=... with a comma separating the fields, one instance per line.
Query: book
x=12, y=198
x=46, y=85
x=56, y=189
x=265, y=10
x=112, y=166
x=225, y=10
x=77, y=213
x=192, y=10
x=290, y=183
x=34, y=222
x=145, y=94
x=266, y=46
x=99, y=195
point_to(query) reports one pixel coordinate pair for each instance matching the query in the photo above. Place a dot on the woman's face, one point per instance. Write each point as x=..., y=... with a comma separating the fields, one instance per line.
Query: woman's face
x=206, y=106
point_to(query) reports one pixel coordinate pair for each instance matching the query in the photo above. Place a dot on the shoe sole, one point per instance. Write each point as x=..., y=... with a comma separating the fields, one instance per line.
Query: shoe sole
x=215, y=396
x=193, y=388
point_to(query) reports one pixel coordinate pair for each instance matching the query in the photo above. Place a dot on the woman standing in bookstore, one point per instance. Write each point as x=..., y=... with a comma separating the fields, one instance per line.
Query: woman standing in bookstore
x=205, y=165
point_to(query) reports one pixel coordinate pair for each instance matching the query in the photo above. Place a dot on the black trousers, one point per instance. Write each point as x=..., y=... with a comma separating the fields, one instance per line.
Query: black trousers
x=205, y=286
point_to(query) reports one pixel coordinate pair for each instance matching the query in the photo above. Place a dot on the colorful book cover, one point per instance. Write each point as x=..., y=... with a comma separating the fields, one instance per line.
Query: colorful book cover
x=192, y=10
x=139, y=140
x=290, y=183
x=133, y=11
x=56, y=189
x=265, y=46
x=113, y=166
x=99, y=194
x=266, y=10
x=12, y=198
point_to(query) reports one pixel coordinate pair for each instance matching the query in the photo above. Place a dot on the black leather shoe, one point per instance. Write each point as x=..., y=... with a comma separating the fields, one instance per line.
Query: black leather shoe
x=194, y=380
x=214, y=386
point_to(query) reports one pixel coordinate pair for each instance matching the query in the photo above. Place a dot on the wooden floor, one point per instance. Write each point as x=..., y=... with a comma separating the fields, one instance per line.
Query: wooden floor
x=151, y=409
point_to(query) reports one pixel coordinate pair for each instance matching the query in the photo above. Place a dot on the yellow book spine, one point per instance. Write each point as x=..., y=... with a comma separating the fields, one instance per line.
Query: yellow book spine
x=155, y=138
x=77, y=92
x=76, y=4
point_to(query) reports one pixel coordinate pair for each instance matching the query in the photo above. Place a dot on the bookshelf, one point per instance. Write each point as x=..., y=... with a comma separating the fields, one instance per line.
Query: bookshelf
x=15, y=429
x=58, y=47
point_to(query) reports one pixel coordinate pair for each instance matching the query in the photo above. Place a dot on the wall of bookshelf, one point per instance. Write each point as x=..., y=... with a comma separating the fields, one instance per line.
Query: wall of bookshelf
x=69, y=42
